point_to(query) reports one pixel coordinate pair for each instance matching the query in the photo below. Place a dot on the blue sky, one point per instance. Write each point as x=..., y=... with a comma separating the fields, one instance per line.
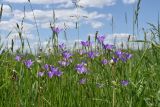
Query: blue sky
x=99, y=13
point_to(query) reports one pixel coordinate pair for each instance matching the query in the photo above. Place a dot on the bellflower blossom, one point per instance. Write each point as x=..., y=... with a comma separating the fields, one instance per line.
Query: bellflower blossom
x=56, y=30
x=82, y=81
x=66, y=55
x=86, y=43
x=46, y=67
x=62, y=46
x=40, y=74
x=28, y=63
x=63, y=63
x=124, y=82
x=123, y=56
x=54, y=72
x=92, y=54
x=104, y=61
x=81, y=68
x=101, y=39
x=17, y=58
x=108, y=46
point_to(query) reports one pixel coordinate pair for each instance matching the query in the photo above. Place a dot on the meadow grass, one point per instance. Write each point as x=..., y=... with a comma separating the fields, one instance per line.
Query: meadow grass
x=21, y=86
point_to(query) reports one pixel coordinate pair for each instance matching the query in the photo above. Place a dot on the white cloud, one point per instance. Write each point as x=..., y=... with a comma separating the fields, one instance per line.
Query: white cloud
x=68, y=3
x=121, y=39
x=97, y=3
x=123, y=36
x=129, y=1
x=38, y=1
x=7, y=10
x=15, y=36
x=9, y=25
x=43, y=17
x=68, y=24
x=96, y=24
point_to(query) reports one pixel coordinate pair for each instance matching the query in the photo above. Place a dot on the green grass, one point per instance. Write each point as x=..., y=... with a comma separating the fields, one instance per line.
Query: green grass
x=24, y=88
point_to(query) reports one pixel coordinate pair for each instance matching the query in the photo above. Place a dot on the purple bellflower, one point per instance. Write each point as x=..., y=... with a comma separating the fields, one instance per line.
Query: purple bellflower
x=81, y=69
x=28, y=63
x=108, y=46
x=40, y=74
x=54, y=72
x=92, y=54
x=104, y=61
x=86, y=43
x=124, y=82
x=56, y=30
x=62, y=46
x=123, y=56
x=66, y=55
x=17, y=58
x=101, y=39
x=82, y=81
x=63, y=63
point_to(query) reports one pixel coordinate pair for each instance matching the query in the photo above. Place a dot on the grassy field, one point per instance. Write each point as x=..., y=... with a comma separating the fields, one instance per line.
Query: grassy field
x=99, y=75
x=131, y=83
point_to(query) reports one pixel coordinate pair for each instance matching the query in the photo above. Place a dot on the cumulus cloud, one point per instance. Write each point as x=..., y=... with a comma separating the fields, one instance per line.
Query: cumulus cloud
x=97, y=3
x=68, y=3
x=96, y=24
x=120, y=40
x=6, y=11
x=9, y=25
x=129, y=1
x=15, y=36
x=6, y=8
x=123, y=36
x=67, y=16
x=37, y=1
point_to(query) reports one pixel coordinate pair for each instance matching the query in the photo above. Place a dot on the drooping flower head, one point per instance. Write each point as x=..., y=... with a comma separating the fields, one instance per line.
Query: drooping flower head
x=86, y=43
x=92, y=54
x=57, y=73
x=119, y=53
x=66, y=55
x=114, y=59
x=56, y=30
x=81, y=52
x=46, y=67
x=101, y=39
x=63, y=63
x=81, y=68
x=124, y=82
x=128, y=56
x=122, y=55
x=104, y=61
x=83, y=81
x=108, y=46
x=50, y=74
x=62, y=46
x=18, y=58
x=54, y=72
x=40, y=74
x=28, y=63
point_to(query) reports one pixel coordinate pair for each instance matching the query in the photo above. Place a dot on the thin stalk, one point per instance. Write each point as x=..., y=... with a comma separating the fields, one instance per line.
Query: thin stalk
x=39, y=40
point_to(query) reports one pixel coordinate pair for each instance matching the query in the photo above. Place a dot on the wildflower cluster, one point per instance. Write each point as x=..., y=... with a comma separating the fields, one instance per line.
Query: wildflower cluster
x=107, y=56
